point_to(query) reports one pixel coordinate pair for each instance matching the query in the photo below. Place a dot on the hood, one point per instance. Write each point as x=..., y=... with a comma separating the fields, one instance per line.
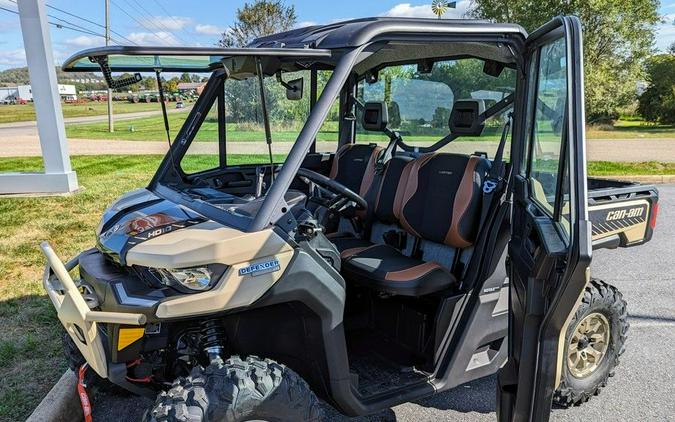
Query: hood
x=137, y=217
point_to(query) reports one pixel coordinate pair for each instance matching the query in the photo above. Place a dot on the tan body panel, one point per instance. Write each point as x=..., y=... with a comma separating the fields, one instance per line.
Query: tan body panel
x=633, y=229
x=206, y=243
x=233, y=291
x=212, y=243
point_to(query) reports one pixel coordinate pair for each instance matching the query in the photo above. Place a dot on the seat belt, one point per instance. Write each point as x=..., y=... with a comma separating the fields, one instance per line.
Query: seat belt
x=494, y=181
x=387, y=153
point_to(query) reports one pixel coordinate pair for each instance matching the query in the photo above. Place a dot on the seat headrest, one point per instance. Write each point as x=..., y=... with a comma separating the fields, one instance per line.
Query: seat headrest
x=465, y=117
x=375, y=116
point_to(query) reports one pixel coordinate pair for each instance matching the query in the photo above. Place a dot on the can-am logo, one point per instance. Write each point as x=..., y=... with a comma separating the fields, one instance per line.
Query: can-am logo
x=260, y=268
x=621, y=214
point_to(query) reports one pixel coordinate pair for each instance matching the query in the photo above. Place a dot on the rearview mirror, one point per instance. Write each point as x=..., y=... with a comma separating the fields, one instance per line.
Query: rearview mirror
x=294, y=89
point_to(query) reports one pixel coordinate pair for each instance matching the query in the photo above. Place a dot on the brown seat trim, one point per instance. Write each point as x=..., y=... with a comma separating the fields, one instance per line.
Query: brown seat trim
x=369, y=174
x=413, y=273
x=339, y=153
x=400, y=189
x=348, y=253
x=461, y=204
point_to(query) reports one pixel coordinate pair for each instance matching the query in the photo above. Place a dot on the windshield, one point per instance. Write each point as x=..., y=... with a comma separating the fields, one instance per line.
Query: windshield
x=220, y=158
x=419, y=104
x=242, y=123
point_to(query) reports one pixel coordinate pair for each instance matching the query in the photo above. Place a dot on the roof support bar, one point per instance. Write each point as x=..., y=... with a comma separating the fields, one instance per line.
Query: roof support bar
x=274, y=207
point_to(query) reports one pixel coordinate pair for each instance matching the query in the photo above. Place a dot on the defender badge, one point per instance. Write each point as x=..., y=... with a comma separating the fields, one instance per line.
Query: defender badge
x=261, y=268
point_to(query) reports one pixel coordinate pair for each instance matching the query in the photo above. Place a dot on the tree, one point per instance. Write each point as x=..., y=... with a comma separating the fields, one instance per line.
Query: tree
x=657, y=103
x=264, y=17
x=185, y=77
x=441, y=117
x=171, y=85
x=149, y=83
x=671, y=49
x=618, y=37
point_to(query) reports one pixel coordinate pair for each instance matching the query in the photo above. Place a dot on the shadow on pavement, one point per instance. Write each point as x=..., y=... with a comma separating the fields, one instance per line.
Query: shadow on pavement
x=476, y=396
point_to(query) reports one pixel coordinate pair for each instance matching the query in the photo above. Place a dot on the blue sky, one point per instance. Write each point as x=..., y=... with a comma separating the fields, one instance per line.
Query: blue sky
x=166, y=22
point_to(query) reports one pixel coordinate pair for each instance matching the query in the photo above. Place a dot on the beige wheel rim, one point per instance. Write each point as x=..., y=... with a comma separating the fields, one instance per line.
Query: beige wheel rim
x=588, y=346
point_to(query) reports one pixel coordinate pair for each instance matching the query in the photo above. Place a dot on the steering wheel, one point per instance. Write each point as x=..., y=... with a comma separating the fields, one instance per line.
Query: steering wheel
x=343, y=195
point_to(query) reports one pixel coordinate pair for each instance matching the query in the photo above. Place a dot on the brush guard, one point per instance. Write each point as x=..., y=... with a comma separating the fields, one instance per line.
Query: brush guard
x=77, y=318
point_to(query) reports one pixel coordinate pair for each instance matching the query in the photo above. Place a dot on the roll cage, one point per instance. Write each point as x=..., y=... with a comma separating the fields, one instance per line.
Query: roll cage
x=341, y=48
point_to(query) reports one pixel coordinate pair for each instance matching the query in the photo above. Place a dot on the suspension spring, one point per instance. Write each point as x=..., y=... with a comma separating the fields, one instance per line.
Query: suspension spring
x=213, y=338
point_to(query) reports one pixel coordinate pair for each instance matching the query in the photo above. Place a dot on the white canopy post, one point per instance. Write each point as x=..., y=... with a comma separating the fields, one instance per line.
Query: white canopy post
x=58, y=176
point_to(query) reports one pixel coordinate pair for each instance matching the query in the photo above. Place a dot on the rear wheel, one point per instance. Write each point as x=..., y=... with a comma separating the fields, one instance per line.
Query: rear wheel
x=238, y=390
x=595, y=341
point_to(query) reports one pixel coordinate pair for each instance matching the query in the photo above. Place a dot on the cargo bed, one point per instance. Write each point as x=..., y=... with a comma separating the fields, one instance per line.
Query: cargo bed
x=623, y=213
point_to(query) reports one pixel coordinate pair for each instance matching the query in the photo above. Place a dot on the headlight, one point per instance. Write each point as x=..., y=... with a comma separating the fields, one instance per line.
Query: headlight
x=193, y=279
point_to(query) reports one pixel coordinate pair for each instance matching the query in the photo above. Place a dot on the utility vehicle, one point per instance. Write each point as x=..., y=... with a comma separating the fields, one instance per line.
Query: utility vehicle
x=431, y=246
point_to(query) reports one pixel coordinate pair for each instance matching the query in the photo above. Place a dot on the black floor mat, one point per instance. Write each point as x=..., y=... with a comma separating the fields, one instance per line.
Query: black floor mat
x=379, y=367
x=378, y=375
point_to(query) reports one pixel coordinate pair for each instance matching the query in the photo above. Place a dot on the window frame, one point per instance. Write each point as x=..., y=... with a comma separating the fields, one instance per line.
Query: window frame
x=530, y=119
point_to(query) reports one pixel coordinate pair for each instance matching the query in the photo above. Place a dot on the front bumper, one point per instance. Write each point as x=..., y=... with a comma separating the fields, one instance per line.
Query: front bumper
x=78, y=319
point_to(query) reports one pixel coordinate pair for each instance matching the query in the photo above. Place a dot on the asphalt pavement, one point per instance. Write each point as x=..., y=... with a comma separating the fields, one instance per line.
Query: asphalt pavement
x=642, y=389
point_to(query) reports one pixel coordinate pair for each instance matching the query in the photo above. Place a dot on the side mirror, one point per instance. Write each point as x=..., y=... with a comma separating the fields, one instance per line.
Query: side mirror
x=294, y=89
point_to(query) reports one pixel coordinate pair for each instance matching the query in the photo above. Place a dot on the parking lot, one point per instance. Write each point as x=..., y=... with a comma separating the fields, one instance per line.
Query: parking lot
x=644, y=384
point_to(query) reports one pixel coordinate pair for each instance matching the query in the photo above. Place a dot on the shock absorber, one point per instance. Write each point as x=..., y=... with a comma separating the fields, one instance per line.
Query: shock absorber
x=213, y=338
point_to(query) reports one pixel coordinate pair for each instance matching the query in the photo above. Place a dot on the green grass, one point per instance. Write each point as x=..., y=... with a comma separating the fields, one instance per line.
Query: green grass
x=630, y=129
x=30, y=349
x=26, y=112
x=152, y=129
x=31, y=360
x=609, y=168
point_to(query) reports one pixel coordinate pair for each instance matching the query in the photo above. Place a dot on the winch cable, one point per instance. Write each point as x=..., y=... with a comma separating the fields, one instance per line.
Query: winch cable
x=266, y=119
x=82, y=393
x=160, y=87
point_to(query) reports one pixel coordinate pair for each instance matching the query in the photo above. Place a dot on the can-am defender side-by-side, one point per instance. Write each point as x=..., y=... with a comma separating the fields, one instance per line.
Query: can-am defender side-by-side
x=446, y=237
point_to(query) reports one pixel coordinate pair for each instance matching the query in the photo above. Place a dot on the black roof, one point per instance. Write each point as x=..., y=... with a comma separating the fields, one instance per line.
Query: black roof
x=313, y=43
x=354, y=33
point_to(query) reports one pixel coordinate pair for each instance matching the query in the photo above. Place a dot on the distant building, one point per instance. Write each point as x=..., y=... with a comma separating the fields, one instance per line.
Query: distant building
x=24, y=92
x=197, y=87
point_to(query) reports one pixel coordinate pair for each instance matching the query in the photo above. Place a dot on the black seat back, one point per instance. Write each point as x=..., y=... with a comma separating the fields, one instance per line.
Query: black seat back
x=439, y=198
x=354, y=166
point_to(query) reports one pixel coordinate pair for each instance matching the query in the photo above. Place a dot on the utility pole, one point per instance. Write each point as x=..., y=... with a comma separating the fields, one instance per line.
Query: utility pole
x=111, y=124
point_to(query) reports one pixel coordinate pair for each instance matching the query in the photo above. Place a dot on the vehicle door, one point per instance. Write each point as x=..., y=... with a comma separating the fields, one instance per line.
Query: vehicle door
x=550, y=246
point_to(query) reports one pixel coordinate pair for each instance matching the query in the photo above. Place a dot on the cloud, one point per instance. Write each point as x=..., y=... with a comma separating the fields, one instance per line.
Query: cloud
x=153, y=38
x=304, y=24
x=424, y=11
x=164, y=23
x=665, y=32
x=13, y=58
x=205, y=29
x=84, y=41
x=665, y=36
x=9, y=25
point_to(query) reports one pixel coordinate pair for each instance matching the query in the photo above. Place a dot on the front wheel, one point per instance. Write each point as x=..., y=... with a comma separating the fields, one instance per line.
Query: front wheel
x=594, y=342
x=238, y=390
